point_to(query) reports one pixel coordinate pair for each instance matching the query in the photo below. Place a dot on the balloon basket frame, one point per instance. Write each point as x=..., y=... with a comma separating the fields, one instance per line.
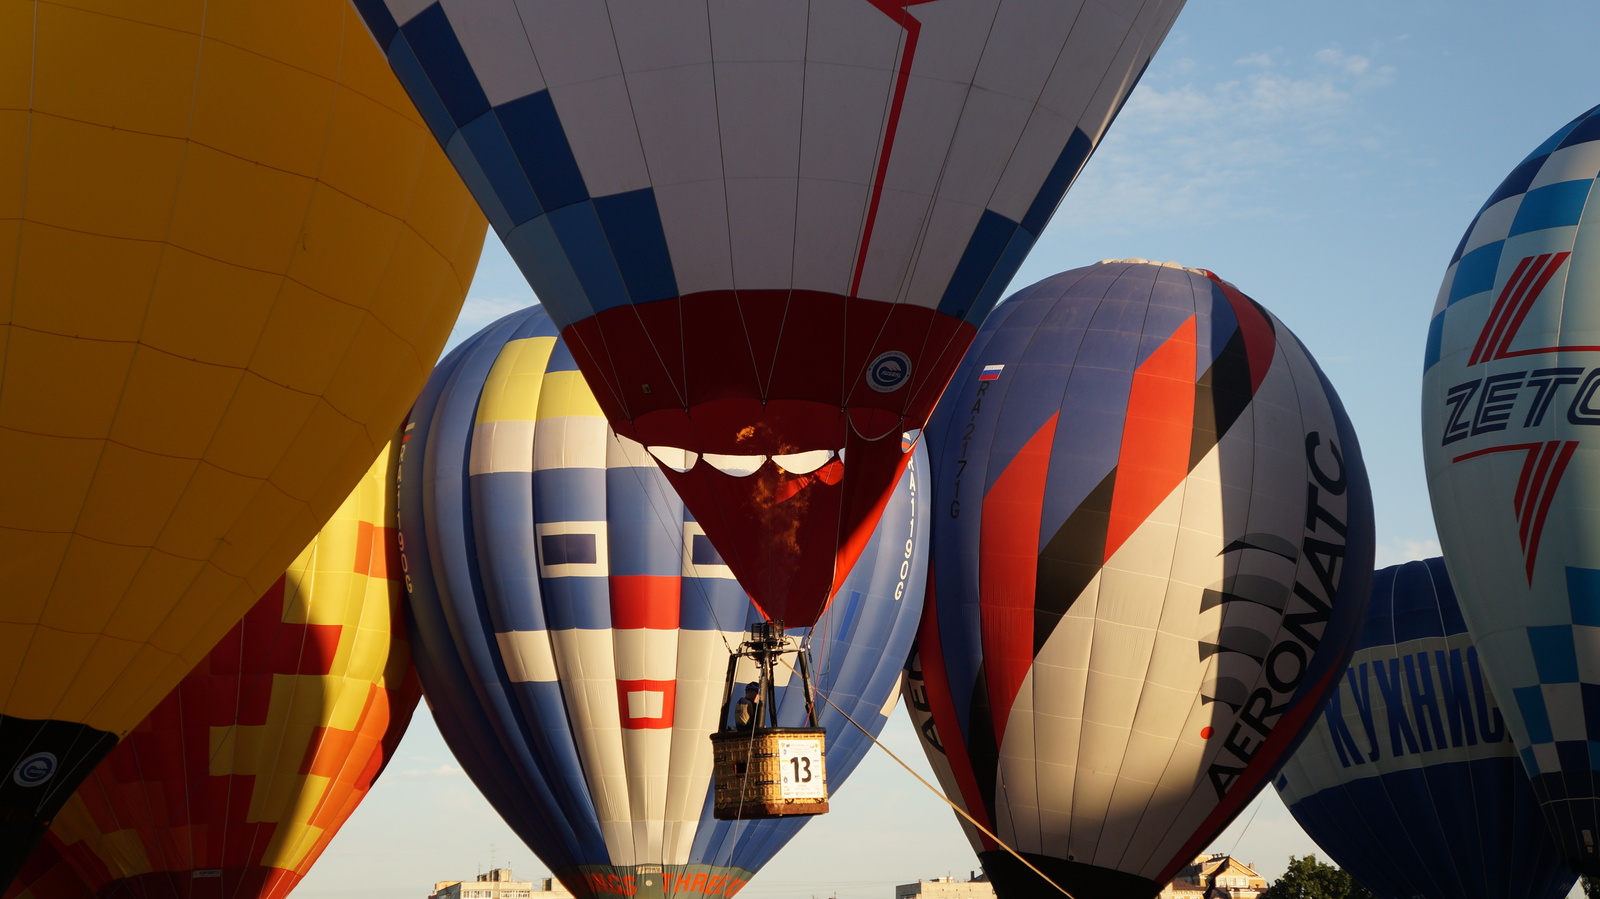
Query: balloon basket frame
x=754, y=775
x=761, y=770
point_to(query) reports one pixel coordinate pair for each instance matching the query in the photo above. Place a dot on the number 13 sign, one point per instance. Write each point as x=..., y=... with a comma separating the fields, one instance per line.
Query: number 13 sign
x=801, y=763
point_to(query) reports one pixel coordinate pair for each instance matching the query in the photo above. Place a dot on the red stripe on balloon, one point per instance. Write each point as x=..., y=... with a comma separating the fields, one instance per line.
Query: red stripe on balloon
x=1548, y=265
x=929, y=651
x=1542, y=469
x=1522, y=297
x=1552, y=481
x=1154, y=457
x=1491, y=327
x=1260, y=341
x=640, y=600
x=1540, y=462
x=896, y=10
x=1008, y=550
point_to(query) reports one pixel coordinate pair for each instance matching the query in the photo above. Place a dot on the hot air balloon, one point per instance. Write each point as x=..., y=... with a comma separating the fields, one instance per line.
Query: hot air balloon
x=767, y=231
x=1508, y=397
x=235, y=783
x=573, y=625
x=233, y=253
x=46, y=875
x=1152, y=550
x=1408, y=779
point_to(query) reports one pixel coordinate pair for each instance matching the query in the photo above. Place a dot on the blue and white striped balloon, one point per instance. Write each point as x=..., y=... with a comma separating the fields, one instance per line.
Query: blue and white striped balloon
x=573, y=625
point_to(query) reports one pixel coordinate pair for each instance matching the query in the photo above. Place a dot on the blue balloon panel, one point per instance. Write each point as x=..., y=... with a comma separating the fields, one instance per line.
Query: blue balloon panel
x=1409, y=779
x=573, y=626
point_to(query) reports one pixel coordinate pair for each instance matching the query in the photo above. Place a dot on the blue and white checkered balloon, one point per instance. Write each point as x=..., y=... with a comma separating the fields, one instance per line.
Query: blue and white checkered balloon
x=1511, y=389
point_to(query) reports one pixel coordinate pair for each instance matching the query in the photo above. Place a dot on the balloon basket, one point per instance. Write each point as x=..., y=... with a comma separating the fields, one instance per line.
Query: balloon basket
x=761, y=770
x=770, y=772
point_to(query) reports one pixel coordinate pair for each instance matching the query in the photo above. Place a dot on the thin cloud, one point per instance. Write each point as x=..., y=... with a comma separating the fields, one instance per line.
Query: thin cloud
x=1398, y=550
x=1358, y=66
x=443, y=771
x=1192, y=146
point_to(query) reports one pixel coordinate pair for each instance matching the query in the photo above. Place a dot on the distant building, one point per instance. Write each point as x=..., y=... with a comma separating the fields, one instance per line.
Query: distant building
x=1223, y=875
x=498, y=884
x=976, y=887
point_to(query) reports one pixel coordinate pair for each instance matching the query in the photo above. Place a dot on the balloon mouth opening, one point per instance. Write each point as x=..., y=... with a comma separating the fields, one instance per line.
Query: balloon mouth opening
x=827, y=464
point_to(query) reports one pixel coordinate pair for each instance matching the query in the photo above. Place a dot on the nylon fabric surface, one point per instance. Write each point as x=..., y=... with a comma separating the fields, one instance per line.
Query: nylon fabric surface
x=1507, y=405
x=767, y=230
x=46, y=875
x=1409, y=779
x=1152, y=541
x=235, y=784
x=574, y=624
x=229, y=253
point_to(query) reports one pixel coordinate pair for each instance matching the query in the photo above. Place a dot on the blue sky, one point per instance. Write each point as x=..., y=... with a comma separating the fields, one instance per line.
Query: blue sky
x=1323, y=156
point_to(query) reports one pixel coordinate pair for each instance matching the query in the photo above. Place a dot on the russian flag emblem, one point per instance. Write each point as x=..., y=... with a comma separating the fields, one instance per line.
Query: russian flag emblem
x=990, y=373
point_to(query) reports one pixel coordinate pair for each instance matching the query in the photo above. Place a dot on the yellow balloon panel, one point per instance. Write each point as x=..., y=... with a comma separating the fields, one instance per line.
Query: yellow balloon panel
x=230, y=251
x=249, y=767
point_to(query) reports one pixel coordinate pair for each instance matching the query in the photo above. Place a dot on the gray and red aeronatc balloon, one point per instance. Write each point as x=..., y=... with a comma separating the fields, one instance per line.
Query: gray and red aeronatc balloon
x=768, y=231
x=1152, y=546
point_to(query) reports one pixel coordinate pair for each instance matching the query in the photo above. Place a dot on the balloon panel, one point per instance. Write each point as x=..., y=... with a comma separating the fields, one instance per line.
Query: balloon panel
x=1151, y=539
x=235, y=783
x=1408, y=778
x=46, y=875
x=574, y=624
x=233, y=251
x=767, y=229
x=1508, y=406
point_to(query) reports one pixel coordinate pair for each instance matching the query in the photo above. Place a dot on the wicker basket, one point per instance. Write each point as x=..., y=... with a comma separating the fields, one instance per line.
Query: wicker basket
x=770, y=772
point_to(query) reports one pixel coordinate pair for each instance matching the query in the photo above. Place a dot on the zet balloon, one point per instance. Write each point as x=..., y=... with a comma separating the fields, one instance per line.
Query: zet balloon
x=231, y=252
x=767, y=231
x=573, y=625
x=1408, y=779
x=1510, y=405
x=1152, y=550
x=236, y=782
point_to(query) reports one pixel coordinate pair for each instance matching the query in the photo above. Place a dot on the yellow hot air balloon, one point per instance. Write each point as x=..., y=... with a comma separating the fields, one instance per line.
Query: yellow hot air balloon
x=236, y=782
x=230, y=251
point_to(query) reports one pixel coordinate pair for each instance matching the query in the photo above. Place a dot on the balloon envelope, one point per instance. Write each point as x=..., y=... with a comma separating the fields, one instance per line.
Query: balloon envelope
x=1509, y=407
x=235, y=783
x=1408, y=778
x=46, y=875
x=573, y=624
x=768, y=230
x=232, y=253
x=1152, y=549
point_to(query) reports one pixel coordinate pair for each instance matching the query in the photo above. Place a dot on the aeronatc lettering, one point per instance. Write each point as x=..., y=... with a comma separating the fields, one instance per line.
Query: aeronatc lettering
x=1484, y=405
x=1417, y=716
x=922, y=710
x=1285, y=664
